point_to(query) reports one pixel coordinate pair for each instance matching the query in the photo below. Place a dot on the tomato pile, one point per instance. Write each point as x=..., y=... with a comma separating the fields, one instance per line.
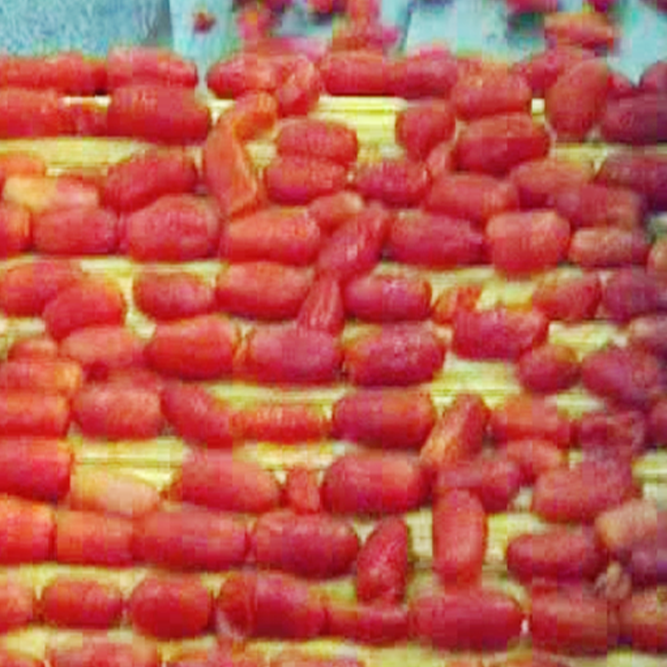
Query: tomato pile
x=323, y=280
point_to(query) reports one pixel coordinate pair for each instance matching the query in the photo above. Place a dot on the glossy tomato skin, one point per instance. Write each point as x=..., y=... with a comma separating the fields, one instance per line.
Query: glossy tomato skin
x=170, y=607
x=558, y=554
x=323, y=308
x=580, y=494
x=460, y=534
x=489, y=94
x=158, y=113
x=424, y=125
x=470, y=619
x=458, y=434
x=569, y=299
x=386, y=418
x=382, y=563
x=262, y=290
x=374, y=483
x=242, y=74
x=527, y=242
x=268, y=605
x=473, y=197
x=498, y=333
x=374, y=625
x=496, y=144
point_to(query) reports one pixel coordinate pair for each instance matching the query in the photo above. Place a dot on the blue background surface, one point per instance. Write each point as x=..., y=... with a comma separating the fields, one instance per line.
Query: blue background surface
x=40, y=26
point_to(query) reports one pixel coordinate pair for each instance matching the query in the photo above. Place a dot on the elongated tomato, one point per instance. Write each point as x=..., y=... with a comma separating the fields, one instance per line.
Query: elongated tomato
x=296, y=180
x=570, y=299
x=35, y=468
x=197, y=416
x=25, y=289
x=109, y=492
x=115, y=412
x=291, y=355
x=280, y=422
x=275, y=235
x=25, y=413
x=396, y=182
x=576, y=102
x=103, y=349
x=597, y=205
x=649, y=333
x=241, y=74
x=645, y=172
x=496, y=144
x=637, y=120
x=91, y=302
x=573, y=622
x=558, y=554
x=33, y=347
x=141, y=179
x=262, y=290
x=189, y=539
x=588, y=30
x=374, y=624
x=644, y=621
x=401, y=355
x=622, y=528
x=331, y=211
x=268, y=605
x=386, y=418
x=172, y=296
x=534, y=456
x=525, y=416
x=174, y=228
x=528, y=242
x=356, y=245
x=81, y=603
x=460, y=534
x=141, y=64
x=608, y=247
x=624, y=376
x=15, y=229
x=199, y=348
x=613, y=433
x=388, y=298
x=323, y=309
x=17, y=605
x=473, y=197
x=31, y=113
x=228, y=173
x=548, y=369
x=498, y=333
x=632, y=292
x=355, y=73
x=490, y=93
x=468, y=619
x=382, y=564
x=540, y=181
x=217, y=481
x=422, y=74
x=76, y=231
x=326, y=140
x=55, y=376
x=434, y=241
x=494, y=481
x=158, y=113
x=170, y=607
x=374, y=483
x=582, y=493
x=41, y=194
x=26, y=531
x=301, y=491
x=252, y=115
x=421, y=127
x=315, y=546
x=86, y=538
x=98, y=651
x=458, y=435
